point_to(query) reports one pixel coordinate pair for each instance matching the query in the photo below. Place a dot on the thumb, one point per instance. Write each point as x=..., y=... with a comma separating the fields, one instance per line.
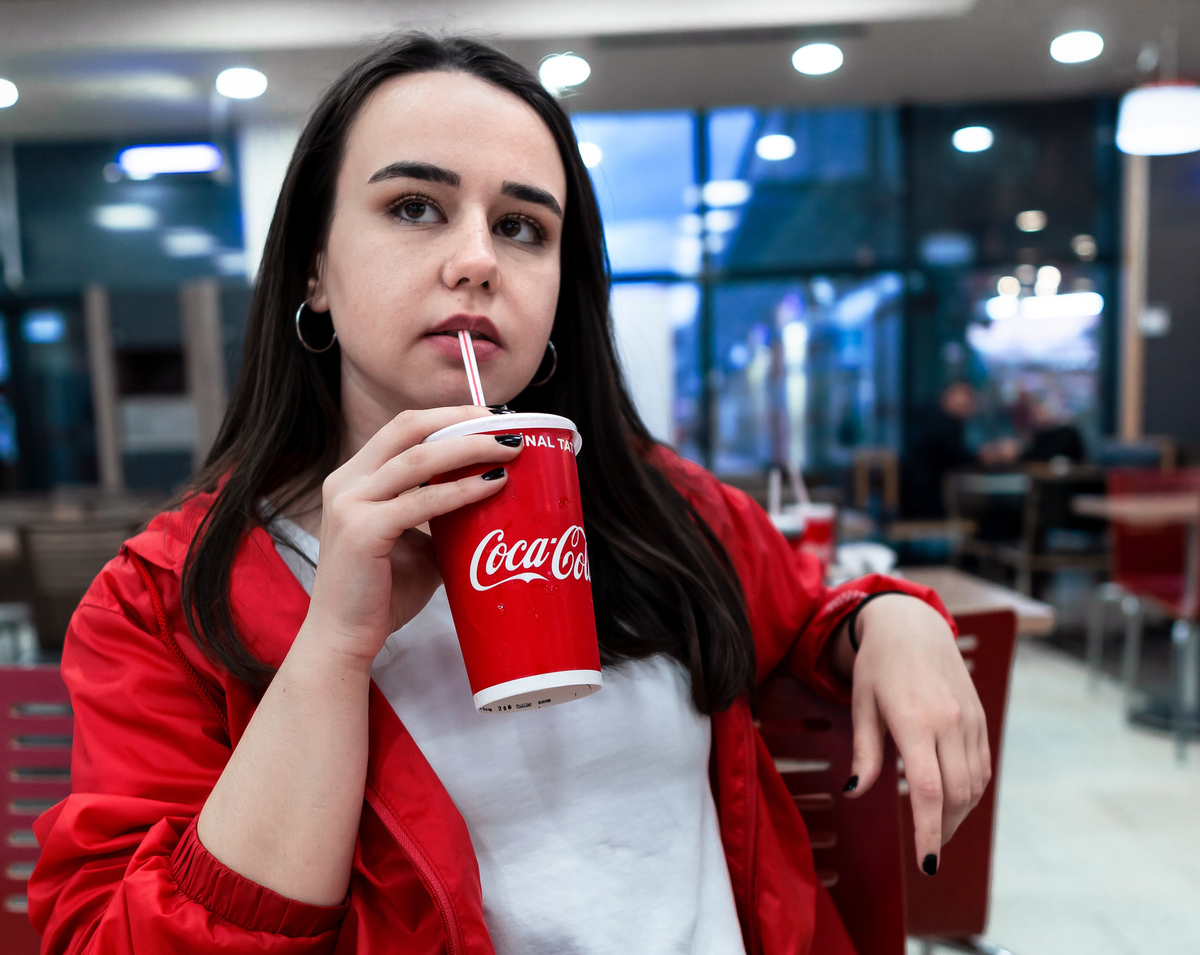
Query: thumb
x=868, y=742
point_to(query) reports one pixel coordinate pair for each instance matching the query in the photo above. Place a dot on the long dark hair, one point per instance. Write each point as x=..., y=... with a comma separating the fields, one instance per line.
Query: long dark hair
x=661, y=580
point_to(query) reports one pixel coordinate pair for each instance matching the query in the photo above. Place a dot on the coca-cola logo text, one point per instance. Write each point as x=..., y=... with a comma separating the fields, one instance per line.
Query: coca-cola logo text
x=522, y=559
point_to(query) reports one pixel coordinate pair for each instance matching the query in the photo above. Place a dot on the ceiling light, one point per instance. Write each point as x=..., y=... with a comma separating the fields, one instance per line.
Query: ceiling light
x=1161, y=119
x=1084, y=246
x=591, y=154
x=241, y=82
x=816, y=59
x=563, y=71
x=125, y=217
x=1067, y=305
x=142, y=162
x=1009, y=285
x=188, y=243
x=1031, y=220
x=775, y=147
x=1048, y=280
x=972, y=139
x=725, y=192
x=1078, y=46
x=8, y=93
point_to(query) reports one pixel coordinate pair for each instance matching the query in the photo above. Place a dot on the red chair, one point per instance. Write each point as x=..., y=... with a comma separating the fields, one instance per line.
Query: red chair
x=1151, y=564
x=856, y=842
x=35, y=773
x=952, y=908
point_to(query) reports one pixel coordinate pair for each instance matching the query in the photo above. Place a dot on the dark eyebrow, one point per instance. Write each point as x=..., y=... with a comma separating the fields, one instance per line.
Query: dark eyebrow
x=532, y=194
x=417, y=170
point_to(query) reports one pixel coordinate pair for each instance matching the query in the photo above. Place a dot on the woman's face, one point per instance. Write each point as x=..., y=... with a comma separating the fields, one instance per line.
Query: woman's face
x=448, y=215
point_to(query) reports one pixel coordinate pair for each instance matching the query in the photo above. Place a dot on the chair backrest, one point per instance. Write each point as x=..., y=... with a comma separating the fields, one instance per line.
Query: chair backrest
x=1141, y=553
x=955, y=903
x=856, y=842
x=1152, y=451
x=63, y=559
x=35, y=773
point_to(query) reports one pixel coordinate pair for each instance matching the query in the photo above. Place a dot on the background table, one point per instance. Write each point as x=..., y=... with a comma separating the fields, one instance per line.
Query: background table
x=964, y=593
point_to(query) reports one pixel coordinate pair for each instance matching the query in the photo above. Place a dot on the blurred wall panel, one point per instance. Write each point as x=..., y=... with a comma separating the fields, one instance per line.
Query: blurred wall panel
x=263, y=154
x=204, y=360
x=97, y=319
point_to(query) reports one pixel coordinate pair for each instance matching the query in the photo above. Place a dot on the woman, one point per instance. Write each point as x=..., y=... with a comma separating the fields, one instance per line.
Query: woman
x=236, y=700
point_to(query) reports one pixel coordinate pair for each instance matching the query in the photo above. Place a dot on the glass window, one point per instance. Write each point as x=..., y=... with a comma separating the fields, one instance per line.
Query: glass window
x=807, y=370
x=657, y=332
x=810, y=188
x=644, y=170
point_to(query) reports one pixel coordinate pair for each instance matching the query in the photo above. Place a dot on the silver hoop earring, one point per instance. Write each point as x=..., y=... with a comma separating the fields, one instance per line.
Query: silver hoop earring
x=300, y=334
x=553, y=365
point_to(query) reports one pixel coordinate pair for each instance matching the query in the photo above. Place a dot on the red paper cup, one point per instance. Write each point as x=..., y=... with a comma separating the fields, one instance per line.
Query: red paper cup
x=516, y=571
x=817, y=537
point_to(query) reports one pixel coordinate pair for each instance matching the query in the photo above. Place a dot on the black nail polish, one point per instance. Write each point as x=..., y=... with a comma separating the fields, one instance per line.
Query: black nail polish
x=509, y=440
x=495, y=474
x=500, y=409
x=929, y=866
x=851, y=784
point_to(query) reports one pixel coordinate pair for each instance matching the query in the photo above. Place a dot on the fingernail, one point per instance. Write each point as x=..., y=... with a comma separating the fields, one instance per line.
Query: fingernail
x=509, y=440
x=929, y=866
x=495, y=474
x=851, y=784
x=499, y=409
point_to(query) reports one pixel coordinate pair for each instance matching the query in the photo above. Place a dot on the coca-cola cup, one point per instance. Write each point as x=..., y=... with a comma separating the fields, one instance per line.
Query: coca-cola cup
x=809, y=528
x=817, y=536
x=515, y=566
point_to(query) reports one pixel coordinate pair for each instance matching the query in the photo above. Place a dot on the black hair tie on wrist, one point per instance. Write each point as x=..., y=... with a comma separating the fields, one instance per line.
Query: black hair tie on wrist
x=852, y=618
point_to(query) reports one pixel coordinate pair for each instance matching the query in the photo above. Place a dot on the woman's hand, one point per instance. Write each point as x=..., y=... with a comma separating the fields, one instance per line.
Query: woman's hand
x=376, y=569
x=910, y=679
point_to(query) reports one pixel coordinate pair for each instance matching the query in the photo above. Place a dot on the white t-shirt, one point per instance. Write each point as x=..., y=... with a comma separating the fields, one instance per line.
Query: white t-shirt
x=593, y=821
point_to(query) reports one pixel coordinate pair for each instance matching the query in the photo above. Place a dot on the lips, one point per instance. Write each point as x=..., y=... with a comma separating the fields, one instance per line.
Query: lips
x=480, y=327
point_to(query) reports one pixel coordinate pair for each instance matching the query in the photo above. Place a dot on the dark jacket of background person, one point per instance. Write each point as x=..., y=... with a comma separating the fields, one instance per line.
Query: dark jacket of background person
x=938, y=445
x=122, y=871
x=1060, y=441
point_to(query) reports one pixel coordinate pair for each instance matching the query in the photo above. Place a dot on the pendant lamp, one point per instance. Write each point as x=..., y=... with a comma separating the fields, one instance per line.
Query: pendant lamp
x=1160, y=119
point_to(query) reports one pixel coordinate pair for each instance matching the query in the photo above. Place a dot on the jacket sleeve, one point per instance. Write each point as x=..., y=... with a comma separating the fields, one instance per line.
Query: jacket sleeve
x=792, y=613
x=122, y=871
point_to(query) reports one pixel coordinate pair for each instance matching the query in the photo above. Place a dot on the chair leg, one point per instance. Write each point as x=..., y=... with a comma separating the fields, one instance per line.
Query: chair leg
x=1131, y=607
x=970, y=946
x=1185, y=641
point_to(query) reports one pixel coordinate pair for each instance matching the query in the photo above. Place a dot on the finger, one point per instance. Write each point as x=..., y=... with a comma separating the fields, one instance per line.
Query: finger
x=975, y=762
x=925, y=793
x=985, y=749
x=423, y=462
x=415, y=507
x=956, y=781
x=868, y=743
x=405, y=430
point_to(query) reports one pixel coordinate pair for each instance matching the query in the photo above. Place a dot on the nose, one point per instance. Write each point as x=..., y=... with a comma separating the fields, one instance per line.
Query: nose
x=472, y=260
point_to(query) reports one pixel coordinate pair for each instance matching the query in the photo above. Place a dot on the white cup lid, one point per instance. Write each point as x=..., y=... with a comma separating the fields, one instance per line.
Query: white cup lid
x=520, y=421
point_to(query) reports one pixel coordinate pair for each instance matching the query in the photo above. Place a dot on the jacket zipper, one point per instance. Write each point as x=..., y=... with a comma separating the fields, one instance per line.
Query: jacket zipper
x=416, y=858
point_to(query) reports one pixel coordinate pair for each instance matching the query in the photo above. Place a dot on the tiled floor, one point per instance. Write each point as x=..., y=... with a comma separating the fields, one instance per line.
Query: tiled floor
x=1098, y=834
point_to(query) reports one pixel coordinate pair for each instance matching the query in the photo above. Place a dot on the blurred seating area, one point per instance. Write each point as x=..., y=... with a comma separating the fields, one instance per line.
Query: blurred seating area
x=920, y=281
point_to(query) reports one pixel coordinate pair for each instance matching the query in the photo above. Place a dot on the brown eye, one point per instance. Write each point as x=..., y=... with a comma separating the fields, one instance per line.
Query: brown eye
x=417, y=211
x=520, y=230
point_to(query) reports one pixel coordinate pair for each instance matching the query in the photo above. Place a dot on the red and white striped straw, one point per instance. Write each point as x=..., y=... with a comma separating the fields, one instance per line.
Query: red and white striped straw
x=472, y=366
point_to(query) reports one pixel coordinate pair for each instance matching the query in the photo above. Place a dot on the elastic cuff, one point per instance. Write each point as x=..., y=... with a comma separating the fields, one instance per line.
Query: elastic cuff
x=242, y=902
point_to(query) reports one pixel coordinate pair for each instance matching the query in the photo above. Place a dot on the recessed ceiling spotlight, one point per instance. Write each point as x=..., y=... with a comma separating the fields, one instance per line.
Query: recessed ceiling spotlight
x=972, y=139
x=816, y=59
x=563, y=71
x=1078, y=46
x=1009, y=285
x=241, y=82
x=591, y=154
x=775, y=147
x=8, y=93
x=1031, y=220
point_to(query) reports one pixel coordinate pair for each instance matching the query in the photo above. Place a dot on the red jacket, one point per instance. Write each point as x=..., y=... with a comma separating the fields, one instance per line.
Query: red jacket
x=122, y=871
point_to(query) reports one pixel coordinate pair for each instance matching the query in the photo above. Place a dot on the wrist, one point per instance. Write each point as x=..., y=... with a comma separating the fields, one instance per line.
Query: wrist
x=321, y=650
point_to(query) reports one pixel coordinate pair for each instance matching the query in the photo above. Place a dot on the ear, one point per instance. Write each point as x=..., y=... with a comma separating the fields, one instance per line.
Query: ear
x=317, y=299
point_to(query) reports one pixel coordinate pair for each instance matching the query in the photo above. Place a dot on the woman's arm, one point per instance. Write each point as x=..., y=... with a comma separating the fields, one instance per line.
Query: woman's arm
x=285, y=811
x=909, y=678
